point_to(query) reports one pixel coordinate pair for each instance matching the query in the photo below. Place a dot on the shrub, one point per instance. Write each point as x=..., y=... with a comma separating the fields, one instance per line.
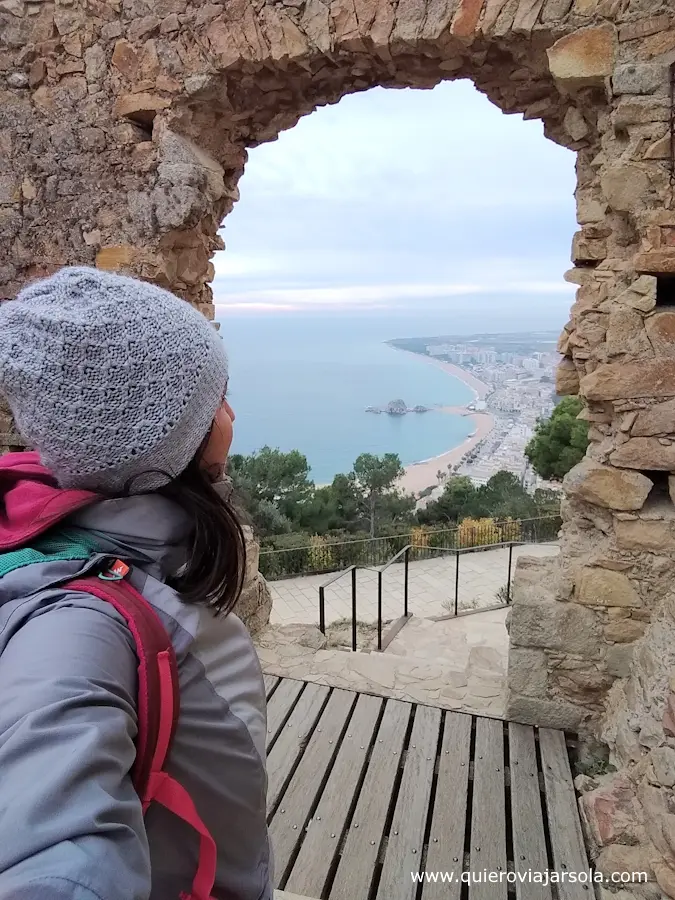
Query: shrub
x=478, y=533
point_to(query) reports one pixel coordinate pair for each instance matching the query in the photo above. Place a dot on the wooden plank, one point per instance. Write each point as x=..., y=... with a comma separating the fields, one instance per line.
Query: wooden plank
x=271, y=682
x=488, y=812
x=362, y=845
x=280, y=704
x=288, y=824
x=292, y=740
x=529, y=843
x=446, y=838
x=567, y=842
x=310, y=872
x=406, y=837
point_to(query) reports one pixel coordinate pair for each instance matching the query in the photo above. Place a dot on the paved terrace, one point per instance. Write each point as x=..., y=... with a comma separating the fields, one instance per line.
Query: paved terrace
x=431, y=586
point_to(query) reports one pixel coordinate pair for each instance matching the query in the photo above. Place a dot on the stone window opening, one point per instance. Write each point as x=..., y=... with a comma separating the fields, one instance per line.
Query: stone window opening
x=665, y=290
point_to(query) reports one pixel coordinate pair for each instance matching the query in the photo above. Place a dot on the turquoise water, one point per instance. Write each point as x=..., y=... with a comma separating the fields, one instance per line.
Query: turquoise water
x=303, y=382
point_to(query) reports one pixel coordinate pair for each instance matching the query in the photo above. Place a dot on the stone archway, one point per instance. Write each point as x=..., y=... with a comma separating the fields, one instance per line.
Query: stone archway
x=124, y=126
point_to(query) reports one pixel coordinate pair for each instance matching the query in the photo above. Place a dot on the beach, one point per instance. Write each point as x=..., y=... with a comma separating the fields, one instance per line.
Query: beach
x=421, y=475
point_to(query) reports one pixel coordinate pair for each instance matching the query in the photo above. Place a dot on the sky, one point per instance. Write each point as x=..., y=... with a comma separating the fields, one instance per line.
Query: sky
x=395, y=199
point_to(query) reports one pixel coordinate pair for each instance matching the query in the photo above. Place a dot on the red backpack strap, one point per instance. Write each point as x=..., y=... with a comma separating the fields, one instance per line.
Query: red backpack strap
x=157, y=710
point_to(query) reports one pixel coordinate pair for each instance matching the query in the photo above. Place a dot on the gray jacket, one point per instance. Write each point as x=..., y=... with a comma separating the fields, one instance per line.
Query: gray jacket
x=71, y=824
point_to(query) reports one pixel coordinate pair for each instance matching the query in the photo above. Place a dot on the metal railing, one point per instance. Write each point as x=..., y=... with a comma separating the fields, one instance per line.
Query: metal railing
x=352, y=570
x=404, y=557
x=324, y=556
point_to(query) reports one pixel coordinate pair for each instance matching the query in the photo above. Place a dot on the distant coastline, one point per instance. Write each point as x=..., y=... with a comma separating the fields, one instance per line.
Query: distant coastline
x=422, y=474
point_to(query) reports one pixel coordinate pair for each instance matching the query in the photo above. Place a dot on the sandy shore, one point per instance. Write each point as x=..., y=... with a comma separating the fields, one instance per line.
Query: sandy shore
x=421, y=475
x=480, y=388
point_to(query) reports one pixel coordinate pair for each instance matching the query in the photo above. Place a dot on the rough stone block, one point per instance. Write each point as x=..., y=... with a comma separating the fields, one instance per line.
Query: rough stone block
x=639, y=111
x=141, y=107
x=566, y=378
x=578, y=681
x=626, y=334
x=642, y=78
x=602, y=587
x=658, y=419
x=641, y=295
x=619, y=659
x=610, y=812
x=625, y=186
x=644, y=453
x=527, y=672
x=466, y=18
x=10, y=189
x=556, y=626
x=624, y=631
x=629, y=381
x=619, y=858
x=608, y=487
x=663, y=763
x=534, y=580
x=114, y=258
x=655, y=262
x=587, y=249
x=584, y=58
x=645, y=535
x=575, y=125
x=545, y=713
x=660, y=329
x=660, y=149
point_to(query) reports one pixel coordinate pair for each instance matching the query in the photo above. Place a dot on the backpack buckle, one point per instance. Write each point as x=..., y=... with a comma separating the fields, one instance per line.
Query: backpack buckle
x=117, y=571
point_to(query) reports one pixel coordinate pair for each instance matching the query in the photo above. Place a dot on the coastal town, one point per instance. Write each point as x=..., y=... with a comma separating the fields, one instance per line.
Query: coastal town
x=512, y=378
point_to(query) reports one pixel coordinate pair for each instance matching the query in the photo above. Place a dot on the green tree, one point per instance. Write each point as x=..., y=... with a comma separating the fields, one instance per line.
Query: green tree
x=503, y=496
x=559, y=442
x=272, y=487
x=272, y=475
x=455, y=503
x=375, y=477
x=334, y=507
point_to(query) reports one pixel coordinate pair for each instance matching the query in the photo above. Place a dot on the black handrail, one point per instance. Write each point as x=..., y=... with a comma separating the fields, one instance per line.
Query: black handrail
x=380, y=570
x=322, y=599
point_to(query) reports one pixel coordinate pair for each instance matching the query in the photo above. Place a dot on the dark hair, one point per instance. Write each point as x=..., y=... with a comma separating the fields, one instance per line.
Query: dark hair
x=216, y=554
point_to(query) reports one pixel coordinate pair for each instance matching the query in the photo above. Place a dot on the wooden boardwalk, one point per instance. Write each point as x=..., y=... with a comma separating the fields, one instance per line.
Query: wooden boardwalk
x=364, y=791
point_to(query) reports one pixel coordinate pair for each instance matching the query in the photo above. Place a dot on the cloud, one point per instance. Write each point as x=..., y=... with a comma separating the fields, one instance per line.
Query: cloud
x=392, y=197
x=387, y=297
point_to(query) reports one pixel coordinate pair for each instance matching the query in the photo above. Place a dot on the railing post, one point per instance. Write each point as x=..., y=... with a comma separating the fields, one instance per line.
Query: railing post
x=354, y=609
x=379, y=610
x=405, y=581
x=508, y=581
x=322, y=610
x=457, y=555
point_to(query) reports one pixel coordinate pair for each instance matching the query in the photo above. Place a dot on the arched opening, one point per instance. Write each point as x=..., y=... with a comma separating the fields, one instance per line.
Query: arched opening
x=393, y=214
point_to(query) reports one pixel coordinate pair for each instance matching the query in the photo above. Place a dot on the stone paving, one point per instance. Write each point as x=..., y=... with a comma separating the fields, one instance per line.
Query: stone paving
x=431, y=587
x=457, y=663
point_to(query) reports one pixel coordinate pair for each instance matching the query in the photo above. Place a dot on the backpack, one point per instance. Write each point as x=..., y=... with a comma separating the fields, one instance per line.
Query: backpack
x=158, y=707
x=38, y=505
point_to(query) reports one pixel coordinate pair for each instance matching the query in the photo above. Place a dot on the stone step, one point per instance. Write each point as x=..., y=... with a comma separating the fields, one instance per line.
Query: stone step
x=477, y=689
x=477, y=642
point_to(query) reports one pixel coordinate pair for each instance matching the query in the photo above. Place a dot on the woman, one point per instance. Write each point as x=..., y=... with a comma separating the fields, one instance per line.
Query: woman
x=120, y=387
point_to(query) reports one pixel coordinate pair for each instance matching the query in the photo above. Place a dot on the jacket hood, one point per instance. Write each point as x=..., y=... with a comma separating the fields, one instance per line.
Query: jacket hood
x=31, y=501
x=146, y=529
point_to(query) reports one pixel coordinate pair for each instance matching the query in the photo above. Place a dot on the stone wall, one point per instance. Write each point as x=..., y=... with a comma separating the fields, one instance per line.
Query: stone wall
x=124, y=129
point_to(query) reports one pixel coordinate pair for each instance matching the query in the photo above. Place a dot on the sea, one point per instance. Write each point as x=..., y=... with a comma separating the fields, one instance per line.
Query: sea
x=302, y=381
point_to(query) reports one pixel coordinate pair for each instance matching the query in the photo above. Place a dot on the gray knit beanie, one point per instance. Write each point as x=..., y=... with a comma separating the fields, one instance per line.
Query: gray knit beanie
x=114, y=381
